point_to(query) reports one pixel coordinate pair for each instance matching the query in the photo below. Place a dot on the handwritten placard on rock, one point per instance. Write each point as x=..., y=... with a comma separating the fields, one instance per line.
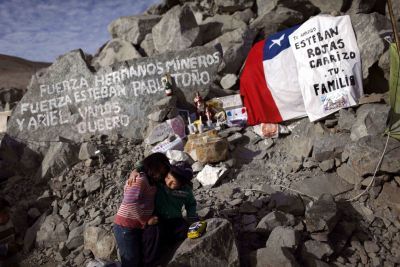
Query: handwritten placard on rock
x=70, y=100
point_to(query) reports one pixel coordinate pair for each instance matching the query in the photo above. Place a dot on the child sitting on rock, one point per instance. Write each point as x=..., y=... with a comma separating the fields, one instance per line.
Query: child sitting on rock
x=168, y=226
x=137, y=208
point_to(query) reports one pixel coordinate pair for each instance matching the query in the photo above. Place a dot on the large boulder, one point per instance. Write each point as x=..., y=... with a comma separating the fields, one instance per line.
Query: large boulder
x=216, y=247
x=116, y=50
x=176, y=30
x=287, y=203
x=371, y=120
x=235, y=47
x=148, y=45
x=133, y=28
x=370, y=30
x=52, y=232
x=280, y=246
x=329, y=146
x=59, y=157
x=71, y=101
x=324, y=184
x=213, y=27
x=321, y=217
x=100, y=242
x=273, y=220
x=364, y=155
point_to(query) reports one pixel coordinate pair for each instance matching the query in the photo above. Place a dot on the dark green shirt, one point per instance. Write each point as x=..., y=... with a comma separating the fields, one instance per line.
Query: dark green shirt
x=169, y=202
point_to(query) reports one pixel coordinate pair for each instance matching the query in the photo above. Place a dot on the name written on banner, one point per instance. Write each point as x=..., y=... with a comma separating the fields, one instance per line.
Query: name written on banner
x=102, y=101
x=324, y=48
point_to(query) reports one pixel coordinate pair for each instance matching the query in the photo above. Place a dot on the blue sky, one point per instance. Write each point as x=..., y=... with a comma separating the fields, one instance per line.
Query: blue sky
x=41, y=30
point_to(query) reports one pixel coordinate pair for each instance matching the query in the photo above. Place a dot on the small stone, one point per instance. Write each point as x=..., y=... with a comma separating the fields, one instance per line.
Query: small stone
x=371, y=247
x=327, y=165
x=235, y=202
x=228, y=81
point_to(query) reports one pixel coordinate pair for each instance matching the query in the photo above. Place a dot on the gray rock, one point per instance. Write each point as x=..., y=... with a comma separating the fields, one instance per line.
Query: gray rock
x=329, y=6
x=371, y=247
x=148, y=45
x=371, y=120
x=114, y=100
x=99, y=241
x=216, y=247
x=75, y=238
x=60, y=156
x=52, y=232
x=370, y=29
x=228, y=81
x=87, y=151
x=63, y=250
x=229, y=131
x=93, y=183
x=275, y=20
x=327, y=165
x=176, y=155
x=303, y=6
x=116, y=50
x=396, y=11
x=384, y=64
x=328, y=147
x=322, y=217
x=177, y=30
x=231, y=6
x=279, y=248
x=65, y=210
x=275, y=219
x=245, y=15
x=366, y=152
x=361, y=6
x=341, y=235
x=133, y=28
x=235, y=138
x=213, y=27
x=209, y=175
x=325, y=184
x=292, y=204
x=30, y=234
x=197, y=166
x=159, y=115
x=235, y=47
x=317, y=249
x=347, y=119
x=348, y=174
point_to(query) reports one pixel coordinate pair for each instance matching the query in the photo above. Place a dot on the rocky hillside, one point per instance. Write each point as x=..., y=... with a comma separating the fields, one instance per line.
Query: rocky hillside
x=15, y=75
x=318, y=196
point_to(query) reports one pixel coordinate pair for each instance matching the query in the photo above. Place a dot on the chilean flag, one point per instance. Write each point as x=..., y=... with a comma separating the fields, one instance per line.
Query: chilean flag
x=269, y=84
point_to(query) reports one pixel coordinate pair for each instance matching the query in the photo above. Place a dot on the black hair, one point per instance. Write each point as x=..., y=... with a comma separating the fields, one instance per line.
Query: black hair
x=156, y=166
x=182, y=181
x=183, y=172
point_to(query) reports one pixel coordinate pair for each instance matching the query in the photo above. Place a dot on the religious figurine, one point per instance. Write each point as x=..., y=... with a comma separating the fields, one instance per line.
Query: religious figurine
x=199, y=103
x=209, y=117
x=166, y=80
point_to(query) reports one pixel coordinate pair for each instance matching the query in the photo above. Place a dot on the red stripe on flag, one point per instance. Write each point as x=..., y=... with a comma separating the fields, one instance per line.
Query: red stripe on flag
x=256, y=95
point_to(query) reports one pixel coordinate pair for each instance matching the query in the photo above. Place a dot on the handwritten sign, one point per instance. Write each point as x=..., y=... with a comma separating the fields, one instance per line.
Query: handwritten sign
x=328, y=63
x=69, y=100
